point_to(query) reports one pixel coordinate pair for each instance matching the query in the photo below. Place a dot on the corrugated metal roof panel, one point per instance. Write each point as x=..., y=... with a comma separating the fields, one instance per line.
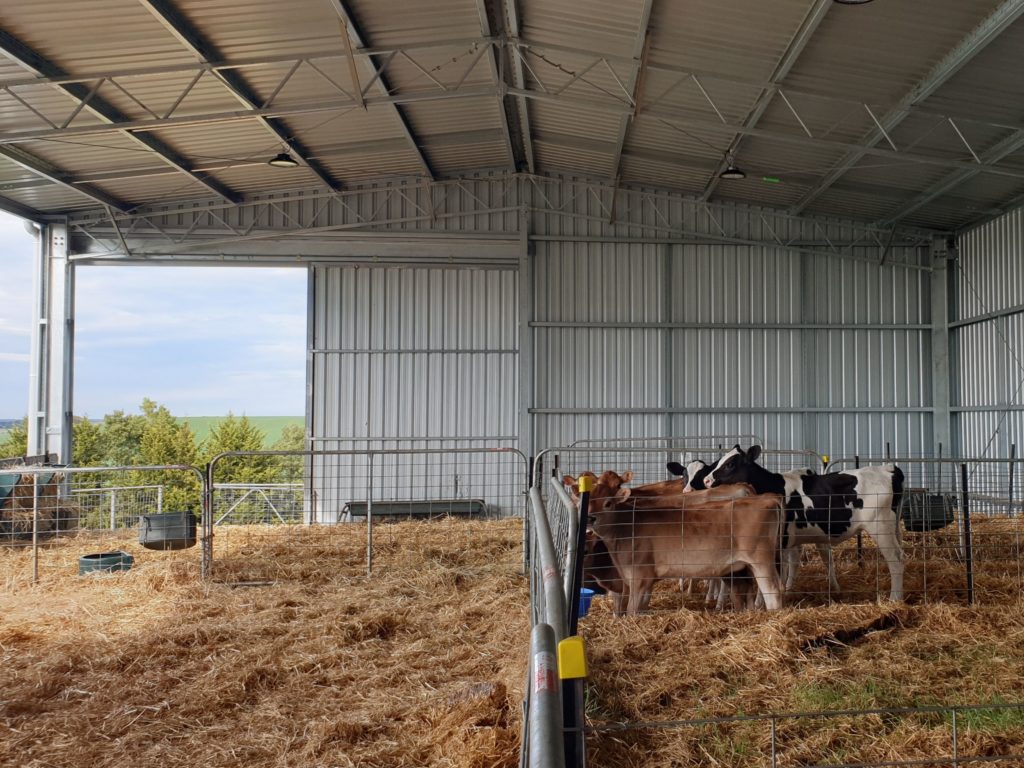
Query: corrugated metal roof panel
x=453, y=116
x=451, y=160
x=607, y=26
x=742, y=38
x=155, y=189
x=388, y=22
x=93, y=36
x=47, y=108
x=991, y=88
x=248, y=179
x=92, y=153
x=53, y=197
x=264, y=27
x=878, y=52
x=644, y=170
x=558, y=157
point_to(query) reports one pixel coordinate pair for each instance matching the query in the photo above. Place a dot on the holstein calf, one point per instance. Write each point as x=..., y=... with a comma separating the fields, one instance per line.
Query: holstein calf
x=827, y=509
x=690, y=537
x=693, y=474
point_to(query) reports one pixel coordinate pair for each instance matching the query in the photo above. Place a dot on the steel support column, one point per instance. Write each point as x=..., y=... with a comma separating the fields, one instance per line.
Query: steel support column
x=940, y=304
x=526, y=336
x=52, y=357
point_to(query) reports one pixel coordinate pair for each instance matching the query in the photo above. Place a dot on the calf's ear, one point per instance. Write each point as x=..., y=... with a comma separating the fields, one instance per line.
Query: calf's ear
x=568, y=480
x=627, y=476
x=754, y=453
x=622, y=494
x=675, y=468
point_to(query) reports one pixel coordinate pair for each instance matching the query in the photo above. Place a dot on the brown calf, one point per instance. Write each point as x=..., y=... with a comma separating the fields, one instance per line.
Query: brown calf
x=690, y=536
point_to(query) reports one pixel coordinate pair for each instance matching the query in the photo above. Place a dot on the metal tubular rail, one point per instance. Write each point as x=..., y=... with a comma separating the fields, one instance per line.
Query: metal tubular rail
x=571, y=543
x=553, y=590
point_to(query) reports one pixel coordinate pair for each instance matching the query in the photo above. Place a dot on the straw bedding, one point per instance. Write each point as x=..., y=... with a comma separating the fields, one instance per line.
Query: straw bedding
x=423, y=663
x=814, y=656
x=420, y=664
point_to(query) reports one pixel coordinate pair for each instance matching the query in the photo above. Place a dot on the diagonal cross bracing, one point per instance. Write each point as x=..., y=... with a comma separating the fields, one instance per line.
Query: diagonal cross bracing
x=796, y=46
x=20, y=53
x=492, y=59
x=969, y=47
x=367, y=65
x=640, y=43
x=207, y=52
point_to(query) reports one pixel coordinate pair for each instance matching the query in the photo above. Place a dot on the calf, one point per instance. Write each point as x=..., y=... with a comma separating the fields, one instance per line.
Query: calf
x=693, y=474
x=826, y=510
x=689, y=536
x=598, y=568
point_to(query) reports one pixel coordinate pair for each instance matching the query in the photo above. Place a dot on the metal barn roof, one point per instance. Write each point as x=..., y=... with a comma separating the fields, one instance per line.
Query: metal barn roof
x=890, y=111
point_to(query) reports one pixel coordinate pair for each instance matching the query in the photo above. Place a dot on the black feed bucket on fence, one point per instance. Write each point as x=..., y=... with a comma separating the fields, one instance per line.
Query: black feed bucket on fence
x=923, y=511
x=167, y=530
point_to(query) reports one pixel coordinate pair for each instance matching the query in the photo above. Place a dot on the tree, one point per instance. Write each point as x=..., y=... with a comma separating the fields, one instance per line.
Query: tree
x=239, y=434
x=88, y=444
x=293, y=438
x=122, y=439
x=15, y=443
x=166, y=442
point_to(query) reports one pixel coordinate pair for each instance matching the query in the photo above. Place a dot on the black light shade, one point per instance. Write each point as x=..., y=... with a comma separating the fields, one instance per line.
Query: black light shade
x=732, y=172
x=283, y=160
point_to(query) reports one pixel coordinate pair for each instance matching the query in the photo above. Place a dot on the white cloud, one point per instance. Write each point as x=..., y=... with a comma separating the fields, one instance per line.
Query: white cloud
x=199, y=340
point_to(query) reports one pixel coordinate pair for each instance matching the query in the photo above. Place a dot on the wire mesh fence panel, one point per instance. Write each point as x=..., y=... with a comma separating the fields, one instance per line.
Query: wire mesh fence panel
x=112, y=508
x=961, y=528
x=241, y=503
x=357, y=511
x=60, y=521
x=930, y=737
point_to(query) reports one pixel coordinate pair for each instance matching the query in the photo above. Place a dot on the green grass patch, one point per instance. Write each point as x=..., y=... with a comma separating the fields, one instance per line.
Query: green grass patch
x=996, y=719
x=270, y=426
x=842, y=696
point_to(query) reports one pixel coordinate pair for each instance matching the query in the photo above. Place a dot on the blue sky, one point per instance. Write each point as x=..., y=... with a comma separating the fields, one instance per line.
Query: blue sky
x=202, y=341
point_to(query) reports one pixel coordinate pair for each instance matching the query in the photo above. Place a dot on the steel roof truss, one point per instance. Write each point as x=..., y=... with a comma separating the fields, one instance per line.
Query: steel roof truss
x=358, y=40
x=796, y=46
x=969, y=47
x=497, y=77
x=189, y=36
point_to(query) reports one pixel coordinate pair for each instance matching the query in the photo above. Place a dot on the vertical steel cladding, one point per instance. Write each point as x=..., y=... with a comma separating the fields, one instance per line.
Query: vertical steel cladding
x=988, y=338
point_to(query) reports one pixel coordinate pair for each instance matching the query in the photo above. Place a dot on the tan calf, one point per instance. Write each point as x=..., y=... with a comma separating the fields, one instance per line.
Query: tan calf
x=690, y=536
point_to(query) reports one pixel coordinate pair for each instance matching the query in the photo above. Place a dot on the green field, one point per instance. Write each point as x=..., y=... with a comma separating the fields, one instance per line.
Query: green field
x=271, y=426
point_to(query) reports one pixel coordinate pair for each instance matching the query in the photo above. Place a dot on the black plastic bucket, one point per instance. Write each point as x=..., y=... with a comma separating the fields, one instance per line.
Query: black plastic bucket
x=104, y=562
x=167, y=530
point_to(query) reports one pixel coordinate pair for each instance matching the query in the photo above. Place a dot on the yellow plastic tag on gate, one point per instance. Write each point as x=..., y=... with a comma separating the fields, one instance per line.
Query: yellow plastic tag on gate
x=572, y=658
x=585, y=483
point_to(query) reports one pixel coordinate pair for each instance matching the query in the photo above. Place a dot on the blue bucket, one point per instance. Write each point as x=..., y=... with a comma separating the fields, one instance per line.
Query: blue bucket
x=586, y=595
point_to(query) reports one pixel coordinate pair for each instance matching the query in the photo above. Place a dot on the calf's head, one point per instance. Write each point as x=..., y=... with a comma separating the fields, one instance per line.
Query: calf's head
x=737, y=466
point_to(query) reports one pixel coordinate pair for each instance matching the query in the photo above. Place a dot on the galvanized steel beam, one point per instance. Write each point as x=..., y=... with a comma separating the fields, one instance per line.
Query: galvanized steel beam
x=203, y=49
x=17, y=209
x=641, y=46
x=971, y=45
x=496, y=75
x=20, y=53
x=519, y=81
x=1002, y=149
x=381, y=83
x=46, y=171
x=796, y=46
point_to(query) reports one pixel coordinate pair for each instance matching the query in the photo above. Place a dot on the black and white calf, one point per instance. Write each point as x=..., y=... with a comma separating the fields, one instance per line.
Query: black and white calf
x=695, y=473
x=826, y=510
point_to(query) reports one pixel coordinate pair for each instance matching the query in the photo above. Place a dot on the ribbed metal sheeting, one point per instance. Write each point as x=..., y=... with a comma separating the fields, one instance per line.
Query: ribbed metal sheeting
x=988, y=355
x=806, y=350
x=412, y=358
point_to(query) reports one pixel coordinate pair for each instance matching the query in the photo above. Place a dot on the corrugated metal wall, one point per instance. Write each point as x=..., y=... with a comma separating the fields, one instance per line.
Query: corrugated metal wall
x=808, y=352
x=633, y=330
x=988, y=338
